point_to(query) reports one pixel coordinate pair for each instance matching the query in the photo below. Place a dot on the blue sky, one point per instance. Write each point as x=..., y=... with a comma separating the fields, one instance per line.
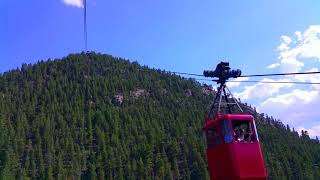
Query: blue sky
x=181, y=35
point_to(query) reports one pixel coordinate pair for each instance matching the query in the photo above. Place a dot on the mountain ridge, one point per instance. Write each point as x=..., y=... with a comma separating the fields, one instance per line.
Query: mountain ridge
x=62, y=119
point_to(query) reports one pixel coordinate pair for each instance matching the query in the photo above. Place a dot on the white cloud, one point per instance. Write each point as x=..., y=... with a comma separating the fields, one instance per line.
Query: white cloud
x=298, y=35
x=271, y=66
x=76, y=3
x=297, y=95
x=285, y=42
x=236, y=84
x=286, y=39
x=262, y=90
x=313, y=131
x=310, y=78
x=296, y=108
x=294, y=53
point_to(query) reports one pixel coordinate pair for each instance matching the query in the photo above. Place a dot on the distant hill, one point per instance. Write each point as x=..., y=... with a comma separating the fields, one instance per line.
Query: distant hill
x=94, y=116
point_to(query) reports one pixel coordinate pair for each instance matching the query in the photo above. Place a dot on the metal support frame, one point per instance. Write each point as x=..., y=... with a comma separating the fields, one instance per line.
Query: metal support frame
x=222, y=92
x=234, y=99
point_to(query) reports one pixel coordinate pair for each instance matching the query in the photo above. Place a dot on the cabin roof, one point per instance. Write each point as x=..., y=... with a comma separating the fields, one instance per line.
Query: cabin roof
x=211, y=122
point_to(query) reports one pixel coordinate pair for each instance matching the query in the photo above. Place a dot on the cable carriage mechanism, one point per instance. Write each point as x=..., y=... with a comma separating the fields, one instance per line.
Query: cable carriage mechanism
x=233, y=148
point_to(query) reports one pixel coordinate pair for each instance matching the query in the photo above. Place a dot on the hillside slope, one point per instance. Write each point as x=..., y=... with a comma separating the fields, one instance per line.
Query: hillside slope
x=98, y=117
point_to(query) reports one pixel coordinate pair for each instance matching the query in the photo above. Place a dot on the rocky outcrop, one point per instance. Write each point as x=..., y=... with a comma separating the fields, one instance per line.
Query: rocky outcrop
x=118, y=99
x=206, y=90
x=139, y=93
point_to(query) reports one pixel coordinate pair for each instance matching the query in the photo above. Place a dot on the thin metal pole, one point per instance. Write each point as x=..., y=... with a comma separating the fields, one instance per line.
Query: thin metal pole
x=85, y=24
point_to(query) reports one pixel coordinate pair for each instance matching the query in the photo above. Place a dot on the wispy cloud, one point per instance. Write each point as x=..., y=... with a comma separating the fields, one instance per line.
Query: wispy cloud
x=75, y=3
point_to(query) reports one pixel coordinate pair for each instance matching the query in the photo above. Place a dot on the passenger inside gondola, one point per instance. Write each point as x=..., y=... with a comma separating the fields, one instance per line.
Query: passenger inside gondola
x=242, y=131
x=237, y=133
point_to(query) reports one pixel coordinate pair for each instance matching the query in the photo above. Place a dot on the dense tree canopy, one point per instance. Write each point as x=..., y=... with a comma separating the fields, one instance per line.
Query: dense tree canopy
x=95, y=116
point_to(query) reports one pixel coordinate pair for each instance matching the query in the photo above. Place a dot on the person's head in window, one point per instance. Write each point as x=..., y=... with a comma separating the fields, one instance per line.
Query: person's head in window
x=243, y=132
x=237, y=133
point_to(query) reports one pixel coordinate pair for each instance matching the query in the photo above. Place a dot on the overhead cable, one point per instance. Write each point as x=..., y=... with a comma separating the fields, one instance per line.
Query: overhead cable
x=253, y=75
x=271, y=82
x=278, y=82
x=281, y=74
x=190, y=74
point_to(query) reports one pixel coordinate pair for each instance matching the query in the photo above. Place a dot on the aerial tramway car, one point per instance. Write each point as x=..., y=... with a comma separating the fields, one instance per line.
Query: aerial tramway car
x=233, y=148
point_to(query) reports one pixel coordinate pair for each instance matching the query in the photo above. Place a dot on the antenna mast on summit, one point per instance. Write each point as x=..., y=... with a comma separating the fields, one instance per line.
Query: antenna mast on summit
x=85, y=24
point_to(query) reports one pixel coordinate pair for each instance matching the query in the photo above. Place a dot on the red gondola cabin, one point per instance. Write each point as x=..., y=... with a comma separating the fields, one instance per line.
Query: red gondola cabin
x=233, y=148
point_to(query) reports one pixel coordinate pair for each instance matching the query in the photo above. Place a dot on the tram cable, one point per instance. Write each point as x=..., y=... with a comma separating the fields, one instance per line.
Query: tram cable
x=270, y=82
x=253, y=75
x=278, y=82
x=256, y=75
x=281, y=74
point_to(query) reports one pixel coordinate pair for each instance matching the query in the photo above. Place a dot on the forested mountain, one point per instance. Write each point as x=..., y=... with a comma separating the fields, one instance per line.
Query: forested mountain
x=94, y=116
